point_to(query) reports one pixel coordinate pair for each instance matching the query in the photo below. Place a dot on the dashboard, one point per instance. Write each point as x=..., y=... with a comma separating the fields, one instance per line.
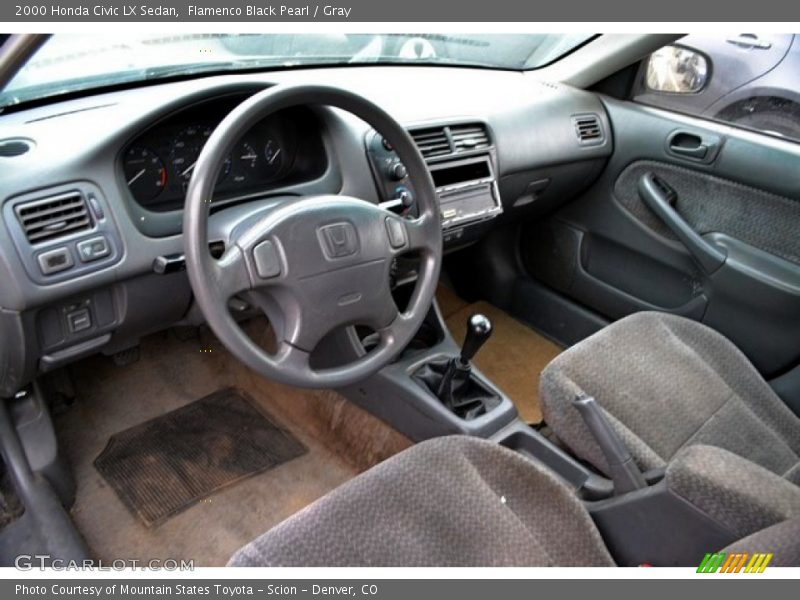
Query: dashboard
x=91, y=198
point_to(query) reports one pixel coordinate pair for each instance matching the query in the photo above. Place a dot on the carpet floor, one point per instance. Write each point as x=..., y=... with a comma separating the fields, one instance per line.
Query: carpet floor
x=513, y=357
x=341, y=441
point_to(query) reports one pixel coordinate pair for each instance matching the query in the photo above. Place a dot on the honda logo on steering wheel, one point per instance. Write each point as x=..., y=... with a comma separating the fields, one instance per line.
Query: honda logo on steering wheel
x=339, y=240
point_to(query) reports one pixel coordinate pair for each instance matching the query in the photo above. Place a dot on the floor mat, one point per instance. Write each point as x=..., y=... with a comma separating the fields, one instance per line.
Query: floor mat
x=172, y=372
x=163, y=466
x=513, y=357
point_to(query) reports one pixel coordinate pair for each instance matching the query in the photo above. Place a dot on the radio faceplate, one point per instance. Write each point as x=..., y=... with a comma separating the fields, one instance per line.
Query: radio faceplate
x=466, y=190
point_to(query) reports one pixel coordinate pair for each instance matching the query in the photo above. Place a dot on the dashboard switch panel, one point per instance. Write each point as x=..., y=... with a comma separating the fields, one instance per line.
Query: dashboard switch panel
x=79, y=320
x=65, y=252
x=93, y=249
x=55, y=261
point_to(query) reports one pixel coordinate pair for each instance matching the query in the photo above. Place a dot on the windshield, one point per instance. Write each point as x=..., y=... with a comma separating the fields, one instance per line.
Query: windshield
x=69, y=63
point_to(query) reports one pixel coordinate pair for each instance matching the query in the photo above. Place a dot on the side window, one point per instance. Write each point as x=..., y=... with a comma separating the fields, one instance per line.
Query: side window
x=748, y=80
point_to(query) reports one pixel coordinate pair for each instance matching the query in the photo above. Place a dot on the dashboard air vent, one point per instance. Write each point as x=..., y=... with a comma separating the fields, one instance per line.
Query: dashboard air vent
x=588, y=129
x=432, y=141
x=14, y=147
x=49, y=218
x=469, y=137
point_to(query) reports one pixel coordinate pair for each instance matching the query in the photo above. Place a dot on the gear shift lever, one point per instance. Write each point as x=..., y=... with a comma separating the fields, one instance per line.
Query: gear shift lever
x=479, y=328
x=452, y=380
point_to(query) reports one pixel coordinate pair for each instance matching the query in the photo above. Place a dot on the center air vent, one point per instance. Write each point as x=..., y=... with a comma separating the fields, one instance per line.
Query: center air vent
x=469, y=137
x=588, y=129
x=432, y=141
x=53, y=217
x=451, y=139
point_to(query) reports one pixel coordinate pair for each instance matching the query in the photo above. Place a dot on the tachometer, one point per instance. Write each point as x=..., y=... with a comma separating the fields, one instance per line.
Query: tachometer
x=144, y=172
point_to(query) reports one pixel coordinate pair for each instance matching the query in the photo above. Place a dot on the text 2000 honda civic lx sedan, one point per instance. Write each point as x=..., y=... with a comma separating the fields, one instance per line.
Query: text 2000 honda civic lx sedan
x=399, y=300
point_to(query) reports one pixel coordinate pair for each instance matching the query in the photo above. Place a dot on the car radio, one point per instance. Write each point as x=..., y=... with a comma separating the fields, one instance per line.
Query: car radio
x=466, y=188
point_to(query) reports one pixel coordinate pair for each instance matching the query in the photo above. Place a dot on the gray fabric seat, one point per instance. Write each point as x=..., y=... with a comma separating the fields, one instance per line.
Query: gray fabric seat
x=452, y=501
x=782, y=540
x=459, y=501
x=666, y=383
x=740, y=496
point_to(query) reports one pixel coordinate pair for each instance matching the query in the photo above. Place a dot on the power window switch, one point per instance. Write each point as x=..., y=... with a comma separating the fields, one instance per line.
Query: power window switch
x=54, y=261
x=93, y=249
x=79, y=320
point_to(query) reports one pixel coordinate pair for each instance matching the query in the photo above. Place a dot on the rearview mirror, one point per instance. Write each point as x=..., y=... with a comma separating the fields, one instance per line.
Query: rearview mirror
x=676, y=70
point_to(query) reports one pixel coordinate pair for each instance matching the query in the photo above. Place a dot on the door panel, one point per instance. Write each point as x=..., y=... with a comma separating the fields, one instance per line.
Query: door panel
x=617, y=251
x=712, y=204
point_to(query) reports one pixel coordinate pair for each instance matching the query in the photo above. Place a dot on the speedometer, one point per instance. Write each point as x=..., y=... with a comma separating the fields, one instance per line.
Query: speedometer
x=145, y=173
x=186, y=149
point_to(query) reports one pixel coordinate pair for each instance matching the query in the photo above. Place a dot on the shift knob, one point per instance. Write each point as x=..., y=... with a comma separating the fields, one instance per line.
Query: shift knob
x=479, y=328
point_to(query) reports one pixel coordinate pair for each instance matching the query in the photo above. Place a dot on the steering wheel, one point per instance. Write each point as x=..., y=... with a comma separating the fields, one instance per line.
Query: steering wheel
x=315, y=263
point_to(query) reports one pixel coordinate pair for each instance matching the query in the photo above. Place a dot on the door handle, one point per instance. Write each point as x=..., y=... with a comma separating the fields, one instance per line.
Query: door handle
x=695, y=146
x=661, y=198
x=688, y=144
x=749, y=40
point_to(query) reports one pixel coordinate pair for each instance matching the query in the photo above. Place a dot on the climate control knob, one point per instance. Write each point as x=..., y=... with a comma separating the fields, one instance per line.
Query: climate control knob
x=397, y=171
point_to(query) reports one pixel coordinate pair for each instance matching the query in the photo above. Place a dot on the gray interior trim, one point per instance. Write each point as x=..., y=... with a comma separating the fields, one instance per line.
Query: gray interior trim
x=46, y=528
x=658, y=527
x=603, y=57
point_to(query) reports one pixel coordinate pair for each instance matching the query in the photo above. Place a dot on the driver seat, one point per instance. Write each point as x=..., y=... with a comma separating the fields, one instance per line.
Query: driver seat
x=457, y=501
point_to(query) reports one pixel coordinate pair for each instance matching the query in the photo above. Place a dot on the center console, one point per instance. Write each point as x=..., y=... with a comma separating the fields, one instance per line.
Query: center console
x=433, y=388
x=461, y=160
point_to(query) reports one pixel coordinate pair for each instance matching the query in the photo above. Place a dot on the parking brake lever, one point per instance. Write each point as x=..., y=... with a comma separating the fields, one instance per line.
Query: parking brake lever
x=623, y=469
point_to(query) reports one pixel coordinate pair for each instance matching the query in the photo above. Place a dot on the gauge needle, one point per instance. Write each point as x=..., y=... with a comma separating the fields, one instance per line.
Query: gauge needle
x=188, y=169
x=135, y=177
x=274, y=156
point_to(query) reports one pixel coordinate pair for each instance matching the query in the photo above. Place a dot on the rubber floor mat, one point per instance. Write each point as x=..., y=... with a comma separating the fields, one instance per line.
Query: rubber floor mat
x=163, y=466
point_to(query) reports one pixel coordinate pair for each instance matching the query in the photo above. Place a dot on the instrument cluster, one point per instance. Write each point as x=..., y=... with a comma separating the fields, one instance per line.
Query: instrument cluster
x=158, y=165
